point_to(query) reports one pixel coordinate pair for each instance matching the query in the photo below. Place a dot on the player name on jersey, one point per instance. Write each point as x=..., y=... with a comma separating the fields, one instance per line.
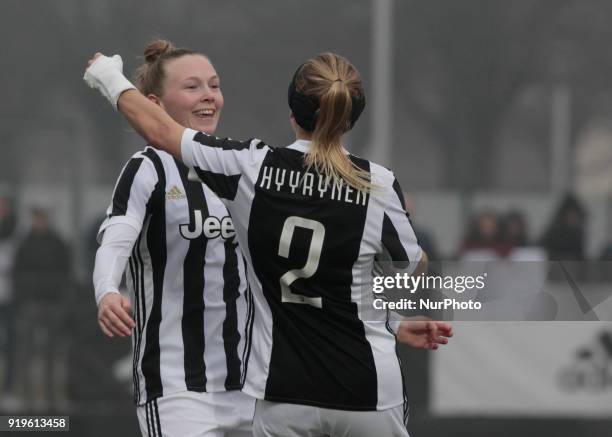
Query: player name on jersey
x=309, y=184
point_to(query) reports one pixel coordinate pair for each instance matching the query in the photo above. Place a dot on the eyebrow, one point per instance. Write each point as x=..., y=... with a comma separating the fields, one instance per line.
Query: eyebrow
x=197, y=78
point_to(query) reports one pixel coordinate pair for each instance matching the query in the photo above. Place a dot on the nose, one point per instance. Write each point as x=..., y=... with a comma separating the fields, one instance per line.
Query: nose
x=207, y=95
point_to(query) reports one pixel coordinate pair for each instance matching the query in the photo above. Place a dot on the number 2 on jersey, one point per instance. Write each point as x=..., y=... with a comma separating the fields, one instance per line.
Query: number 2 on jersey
x=312, y=263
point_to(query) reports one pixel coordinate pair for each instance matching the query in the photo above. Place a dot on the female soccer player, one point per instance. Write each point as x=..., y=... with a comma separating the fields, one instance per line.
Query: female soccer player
x=311, y=220
x=185, y=269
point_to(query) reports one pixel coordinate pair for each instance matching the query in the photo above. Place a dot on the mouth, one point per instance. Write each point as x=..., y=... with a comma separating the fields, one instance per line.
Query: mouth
x=205, y=114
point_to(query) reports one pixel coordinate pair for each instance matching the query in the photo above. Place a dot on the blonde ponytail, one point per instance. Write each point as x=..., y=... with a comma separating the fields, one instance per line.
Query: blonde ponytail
x=332, y=81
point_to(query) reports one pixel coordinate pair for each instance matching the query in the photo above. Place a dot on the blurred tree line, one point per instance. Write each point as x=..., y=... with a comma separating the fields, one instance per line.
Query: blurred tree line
x=466, y=71
x=468, y=74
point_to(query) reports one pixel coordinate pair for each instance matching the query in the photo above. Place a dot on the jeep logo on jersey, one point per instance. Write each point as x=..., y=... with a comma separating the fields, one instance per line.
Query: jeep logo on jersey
x=211, y=227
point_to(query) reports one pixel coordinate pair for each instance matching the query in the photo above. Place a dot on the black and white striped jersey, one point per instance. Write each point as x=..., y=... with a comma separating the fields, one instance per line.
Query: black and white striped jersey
x=310, y=247
x=186, y=274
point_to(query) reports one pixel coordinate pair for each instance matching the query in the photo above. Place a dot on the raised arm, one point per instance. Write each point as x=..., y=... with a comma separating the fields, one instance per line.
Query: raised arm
x=207, y=155
x=150, y=120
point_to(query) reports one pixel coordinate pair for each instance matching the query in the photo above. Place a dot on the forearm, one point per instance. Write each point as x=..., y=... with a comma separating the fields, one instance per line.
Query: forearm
x=151, y=122
x=106, y=75
x=422, y=265
x=111, y=259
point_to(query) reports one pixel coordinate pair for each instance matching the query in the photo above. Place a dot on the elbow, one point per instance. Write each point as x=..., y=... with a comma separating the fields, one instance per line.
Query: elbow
x=422, y=265
x=155, y=131
x=165, y=134
x=155, y=135
x=150, y=121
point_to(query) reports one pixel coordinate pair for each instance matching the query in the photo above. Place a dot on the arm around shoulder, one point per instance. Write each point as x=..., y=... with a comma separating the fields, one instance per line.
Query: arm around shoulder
x=151, y=122
x=105, y=74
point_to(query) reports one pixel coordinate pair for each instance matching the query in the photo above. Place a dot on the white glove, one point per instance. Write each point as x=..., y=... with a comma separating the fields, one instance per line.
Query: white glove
x=106, y=75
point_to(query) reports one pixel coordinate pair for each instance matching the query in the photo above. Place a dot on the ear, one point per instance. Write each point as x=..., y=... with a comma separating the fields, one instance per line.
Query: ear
x=154, y=99
x=292, y=121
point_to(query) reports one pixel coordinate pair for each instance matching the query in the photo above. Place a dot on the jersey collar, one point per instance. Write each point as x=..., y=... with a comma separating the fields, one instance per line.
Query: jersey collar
x=300, y=145
x=304, y=145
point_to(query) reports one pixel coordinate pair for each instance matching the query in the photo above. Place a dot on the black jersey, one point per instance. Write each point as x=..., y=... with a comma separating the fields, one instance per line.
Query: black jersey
x=310, y=246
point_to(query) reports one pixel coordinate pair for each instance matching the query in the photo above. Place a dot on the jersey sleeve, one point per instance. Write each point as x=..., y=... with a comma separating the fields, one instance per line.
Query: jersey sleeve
x=400, y=249
x=220, y=162
x=399, y=243
x=111, y=258
x=131, y=194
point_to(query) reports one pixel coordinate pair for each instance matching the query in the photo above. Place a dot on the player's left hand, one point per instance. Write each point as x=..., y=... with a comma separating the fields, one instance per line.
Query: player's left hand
x=424, y=334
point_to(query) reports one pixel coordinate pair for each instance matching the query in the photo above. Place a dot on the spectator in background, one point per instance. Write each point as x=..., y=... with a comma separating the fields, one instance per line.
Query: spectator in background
x=42, y=262
x=41, y=278
x=604, y=272
x=564, y=238
x=8, y=224
x=483, y=234
x=91, y=244
x=514, y=229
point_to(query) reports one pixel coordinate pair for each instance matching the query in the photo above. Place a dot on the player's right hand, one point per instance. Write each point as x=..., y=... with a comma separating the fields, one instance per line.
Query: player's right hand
x=114, y=315
x=92, y=60
x=105, y=74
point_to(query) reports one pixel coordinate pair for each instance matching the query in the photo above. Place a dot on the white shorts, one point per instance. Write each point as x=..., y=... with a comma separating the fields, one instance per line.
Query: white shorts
x=273, y=419
x=193, y=414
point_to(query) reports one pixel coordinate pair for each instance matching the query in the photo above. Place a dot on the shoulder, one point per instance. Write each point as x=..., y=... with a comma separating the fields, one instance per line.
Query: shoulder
x=146, y=166
x=379, y=171
x=151, y=155
x=225, y=143
x=147, y=154
x=155, y=156
x=156, y=159
x=381, y=175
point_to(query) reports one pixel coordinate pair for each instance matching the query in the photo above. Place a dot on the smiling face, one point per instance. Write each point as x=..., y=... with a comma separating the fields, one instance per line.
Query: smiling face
x=192, y=93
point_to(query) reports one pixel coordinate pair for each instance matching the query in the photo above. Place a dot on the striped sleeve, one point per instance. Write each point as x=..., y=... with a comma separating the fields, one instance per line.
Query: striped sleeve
x=131, y=194
x=399, y=242
x=219, y=163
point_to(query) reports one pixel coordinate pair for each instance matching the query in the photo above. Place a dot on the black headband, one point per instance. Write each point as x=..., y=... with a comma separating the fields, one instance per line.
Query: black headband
x=305, y=109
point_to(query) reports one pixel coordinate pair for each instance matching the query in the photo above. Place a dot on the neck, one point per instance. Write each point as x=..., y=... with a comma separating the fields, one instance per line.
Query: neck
x=301, y=134
x=303, y=137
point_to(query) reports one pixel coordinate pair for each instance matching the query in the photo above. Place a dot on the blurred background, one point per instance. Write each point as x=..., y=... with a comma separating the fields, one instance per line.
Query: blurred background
x=495, y=117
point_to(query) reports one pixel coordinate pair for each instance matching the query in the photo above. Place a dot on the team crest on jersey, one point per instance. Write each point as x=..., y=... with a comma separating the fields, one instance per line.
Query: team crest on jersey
x=175, y=193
